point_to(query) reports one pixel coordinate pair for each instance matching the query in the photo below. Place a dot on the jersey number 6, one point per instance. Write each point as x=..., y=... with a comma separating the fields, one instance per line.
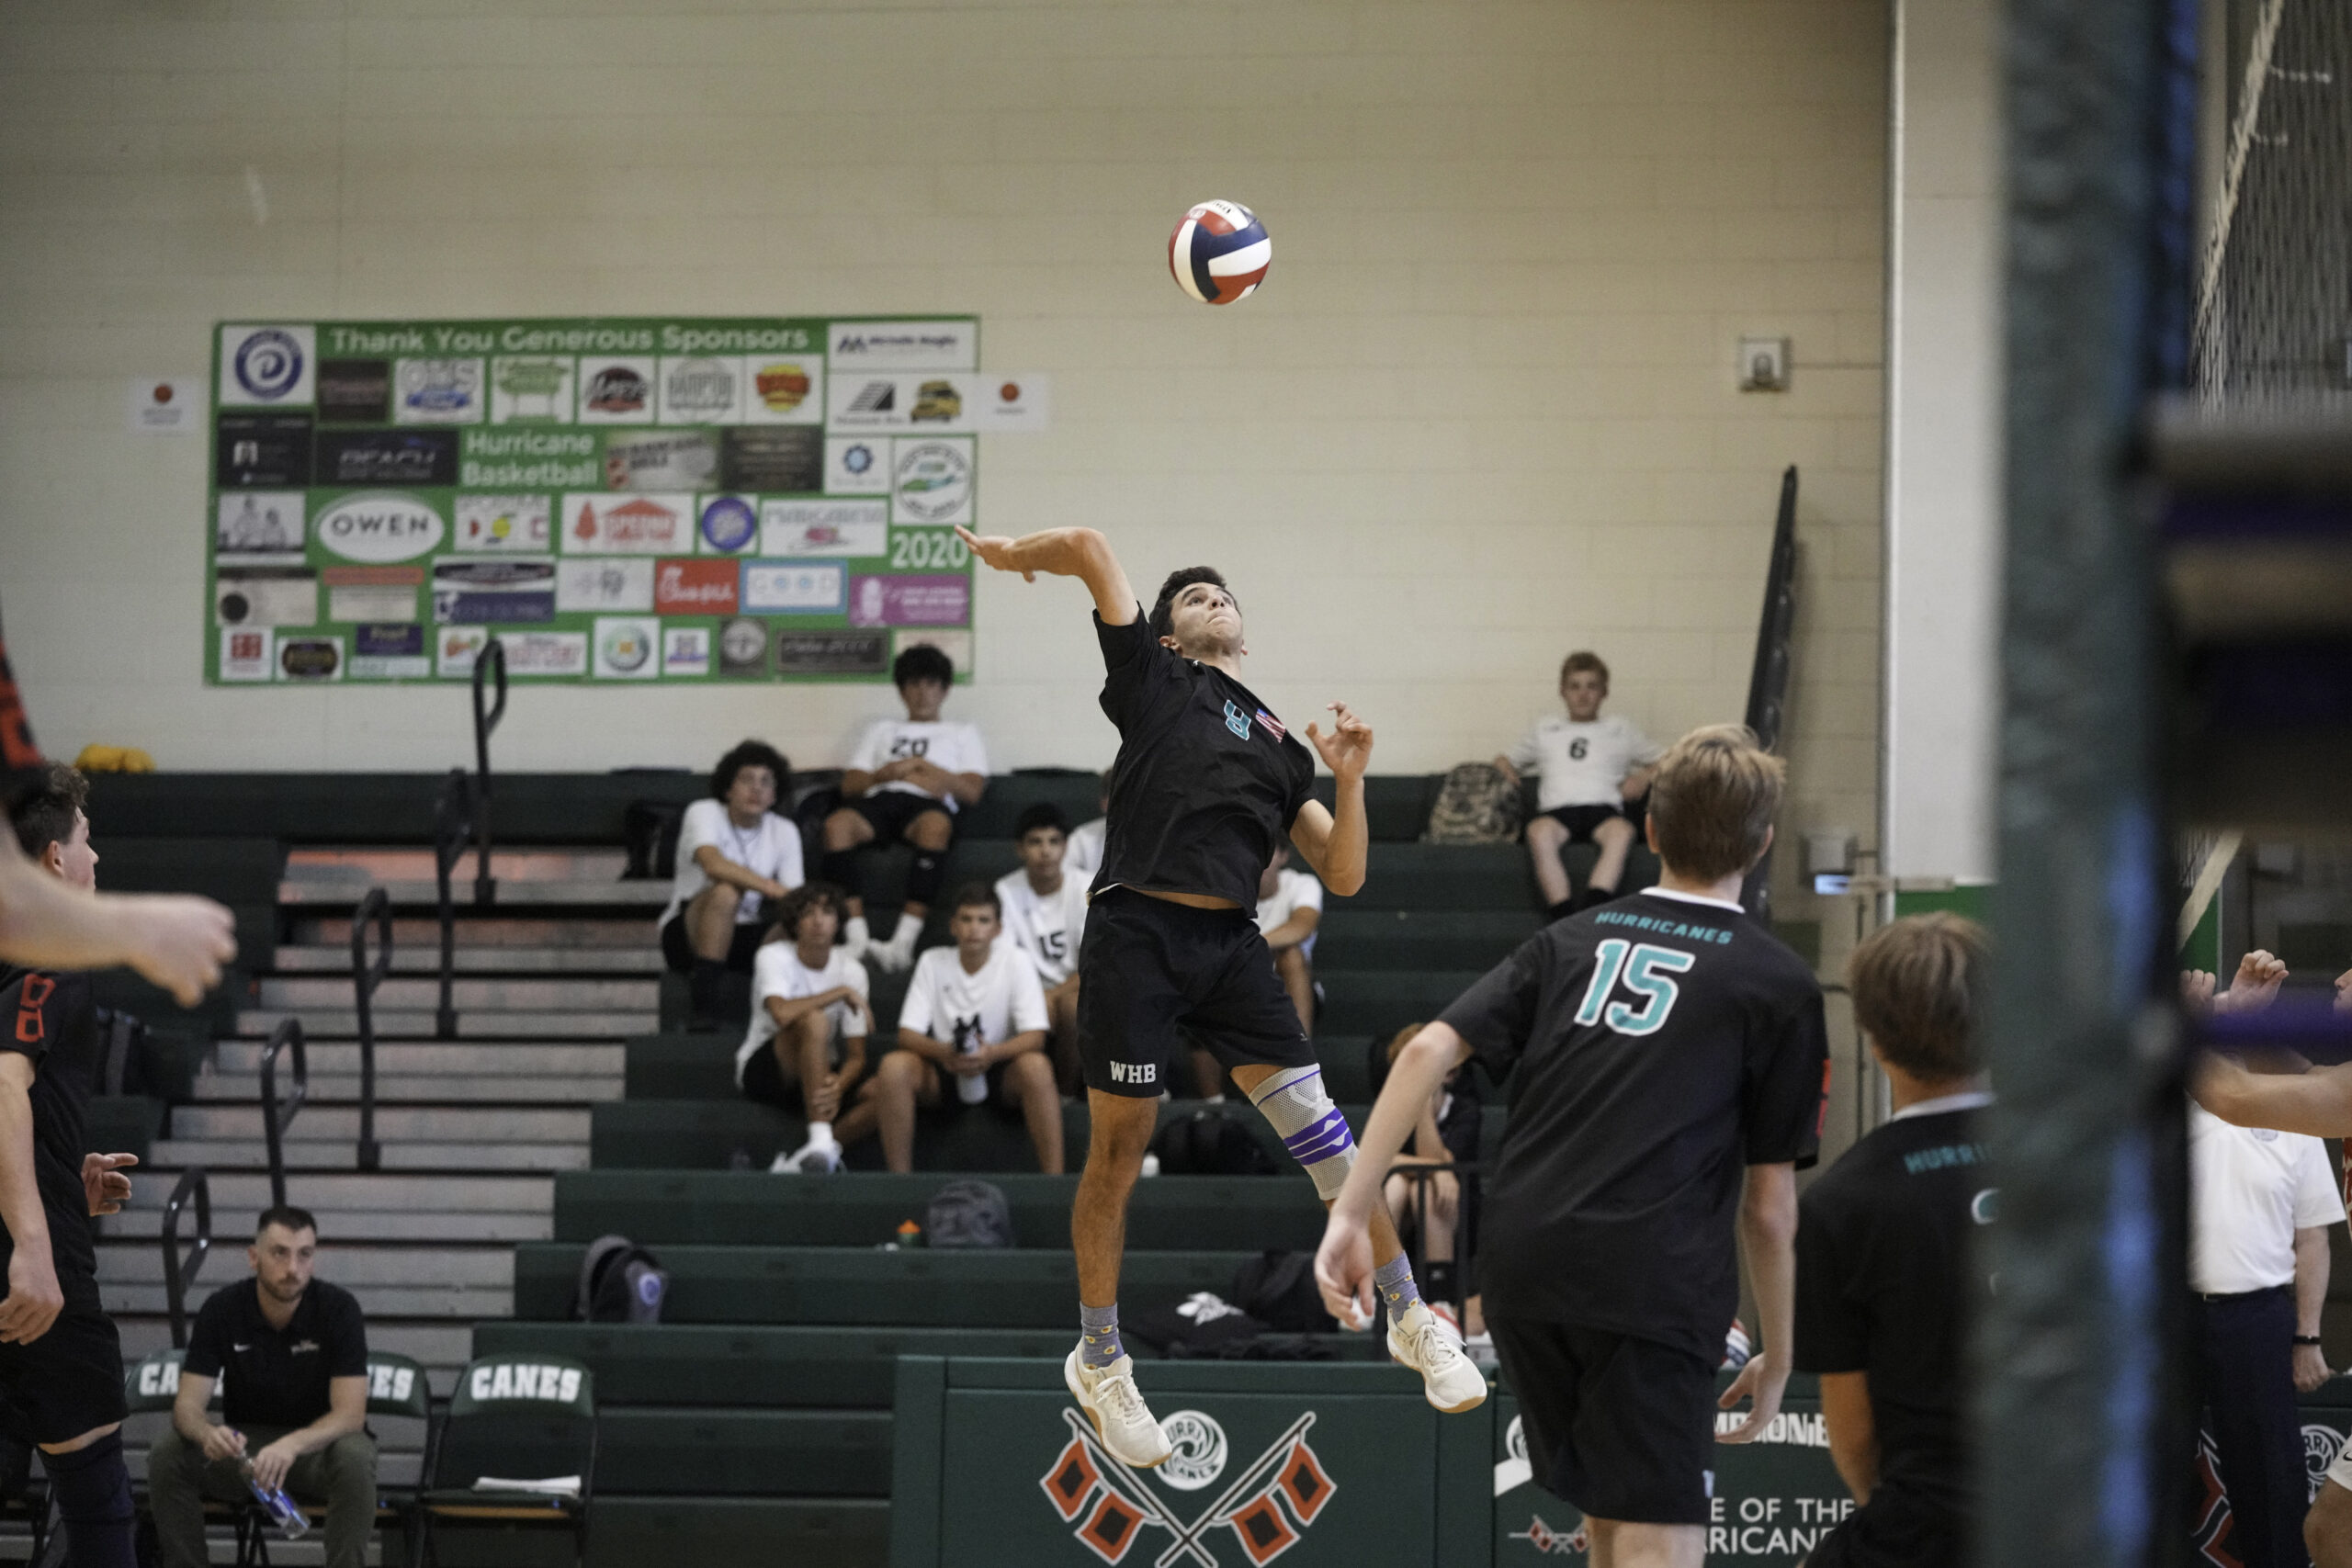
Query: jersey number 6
x=1644, y=969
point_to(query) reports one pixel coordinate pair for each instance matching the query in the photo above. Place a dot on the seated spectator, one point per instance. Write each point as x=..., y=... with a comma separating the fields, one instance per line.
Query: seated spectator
x=1587, y=768
x=974, y=1017
x=805, y=1048
x=734, y=853
x=1290, y=906
x=1044, y=913
x=1430, y=1208
x=1085, y=855
x=294, y=1351
x=907, y=779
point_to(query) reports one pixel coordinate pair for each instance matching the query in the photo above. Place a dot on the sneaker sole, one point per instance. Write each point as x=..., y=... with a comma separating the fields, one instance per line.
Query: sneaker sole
x=1441, y=1409
x=1102, y=1436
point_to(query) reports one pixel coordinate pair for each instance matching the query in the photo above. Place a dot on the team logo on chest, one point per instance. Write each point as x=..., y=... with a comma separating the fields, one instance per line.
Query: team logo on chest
x=1236, y=720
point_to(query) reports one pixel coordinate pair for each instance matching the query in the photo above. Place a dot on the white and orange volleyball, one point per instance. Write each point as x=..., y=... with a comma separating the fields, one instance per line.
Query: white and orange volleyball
x=1220, y=253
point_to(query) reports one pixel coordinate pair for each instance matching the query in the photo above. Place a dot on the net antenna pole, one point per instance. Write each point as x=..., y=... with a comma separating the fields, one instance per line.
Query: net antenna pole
x=2207, y=327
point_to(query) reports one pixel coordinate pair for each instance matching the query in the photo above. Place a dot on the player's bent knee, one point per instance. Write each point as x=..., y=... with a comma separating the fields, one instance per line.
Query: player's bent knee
x=931, y=830
x=2327, y=1529
x=1296, y=1106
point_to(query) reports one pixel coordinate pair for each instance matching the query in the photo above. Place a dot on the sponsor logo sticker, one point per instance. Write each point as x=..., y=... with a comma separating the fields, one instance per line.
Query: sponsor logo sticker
x=455, y=649
x=786, y=389
x=616, y=391
x=503, y=523
x=774, y=459
x=904, y=345
x=384, y=527
x=641, y=524
x=438, y=391
x=825, y=528
x=795, y=587
x=311, y=657
x=354, y=391
x=266, y=364
x=265, y=596
x=497, y=590
x=661, y=459
x=385, y=593
x=686, y=650
x=729, y=524
x=546, y=653
x=389, y=653
x=743, y=648
x=696, y=587
x=830, y=653
x=387, y=458
x=627, y=649
x=930, y=481
x=531, y=389
x=929, y=600
x=260, y=450
x=608, y=584
x=857, y=465
x=259, y=526
x=697, y=390
x=247, y=652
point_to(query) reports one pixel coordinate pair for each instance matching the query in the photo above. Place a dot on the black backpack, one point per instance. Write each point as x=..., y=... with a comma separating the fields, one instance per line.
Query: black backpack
x=968, y=1214
x=619, y=1282
x=1208, y=1143
x=1277, y=1288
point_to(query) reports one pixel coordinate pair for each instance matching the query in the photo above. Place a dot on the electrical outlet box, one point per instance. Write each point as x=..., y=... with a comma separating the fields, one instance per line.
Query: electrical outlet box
x=1763, y=365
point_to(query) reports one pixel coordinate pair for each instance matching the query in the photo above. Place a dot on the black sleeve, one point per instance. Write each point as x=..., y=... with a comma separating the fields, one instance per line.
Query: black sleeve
x=32, y=1013
x=1787, y=1091
x=346, y=1336
x=1832, y=1332
x=208, y=1342
x=1302, y=791
x=1494, y=1016
x=1130, y=655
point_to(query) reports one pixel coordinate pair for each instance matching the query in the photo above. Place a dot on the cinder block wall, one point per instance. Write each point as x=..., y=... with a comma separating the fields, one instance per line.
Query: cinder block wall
x=1483, y=412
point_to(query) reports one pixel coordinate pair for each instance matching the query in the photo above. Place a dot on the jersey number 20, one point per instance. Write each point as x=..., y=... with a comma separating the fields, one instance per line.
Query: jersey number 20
x=1645, y=969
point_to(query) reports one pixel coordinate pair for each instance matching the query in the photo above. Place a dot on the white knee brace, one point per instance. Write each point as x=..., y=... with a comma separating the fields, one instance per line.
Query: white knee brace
x=1294, y=1102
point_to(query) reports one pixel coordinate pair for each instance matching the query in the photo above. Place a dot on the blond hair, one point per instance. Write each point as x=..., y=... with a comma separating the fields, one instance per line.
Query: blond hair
x=1918, y=987
x=1713, y=803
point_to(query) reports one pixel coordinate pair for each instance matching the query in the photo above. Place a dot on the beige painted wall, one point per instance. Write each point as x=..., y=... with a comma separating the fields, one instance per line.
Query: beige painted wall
x=1482, y=412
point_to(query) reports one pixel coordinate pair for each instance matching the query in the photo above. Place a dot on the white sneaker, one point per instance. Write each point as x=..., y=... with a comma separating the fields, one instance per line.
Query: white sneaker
x=857, y=940
x=819, y=1159
x=1450, y=1380
x=1121, y=1420
x=784, y=1165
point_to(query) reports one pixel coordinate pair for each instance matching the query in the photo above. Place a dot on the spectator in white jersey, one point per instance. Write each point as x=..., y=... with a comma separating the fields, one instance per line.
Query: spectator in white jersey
x=805, y=1047
x=1044, y=913
x=971, y=1032
x=734, y=855
x=1585, y=769
x=1290, y=906
x=907, y=779
x=1085, y=856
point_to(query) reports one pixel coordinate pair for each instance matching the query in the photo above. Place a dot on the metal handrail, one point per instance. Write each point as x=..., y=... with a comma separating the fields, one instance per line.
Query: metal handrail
x=1768, y=681
x=365, y=977
x=179, y=1273
x=494, y=652
x=452, y=815
x=273, y=1125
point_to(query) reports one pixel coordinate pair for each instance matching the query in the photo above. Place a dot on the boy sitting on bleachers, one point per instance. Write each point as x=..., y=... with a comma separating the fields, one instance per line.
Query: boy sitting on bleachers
x=805, y=1047
x=734, y=855
x=1587, y=768
x=1044, y=914
x=975, y=1019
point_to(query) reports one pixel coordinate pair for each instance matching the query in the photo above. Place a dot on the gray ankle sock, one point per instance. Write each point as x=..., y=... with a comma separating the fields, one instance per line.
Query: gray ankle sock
x=1097, y=1329
x=1394, y=1278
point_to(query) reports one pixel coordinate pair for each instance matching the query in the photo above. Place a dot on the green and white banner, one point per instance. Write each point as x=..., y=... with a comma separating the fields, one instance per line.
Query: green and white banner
x=615, y=499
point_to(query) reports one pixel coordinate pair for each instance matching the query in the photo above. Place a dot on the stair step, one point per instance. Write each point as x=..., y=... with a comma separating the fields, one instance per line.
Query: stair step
x=464, y=1303
x=314, y=1157
x=586, y=894
x=472, y=995
x=475, y=931
x=425, y=1089
x=425, y=958
x=347, y=1224
x=368, y=864
x=353, y=1268
x=335, y=1192
x=403, y=1124
x=343, y=1023
x=517, y=1058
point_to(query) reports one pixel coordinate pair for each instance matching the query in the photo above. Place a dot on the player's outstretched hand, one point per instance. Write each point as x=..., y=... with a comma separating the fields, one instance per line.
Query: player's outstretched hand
x=1759, y=1382
x=1343, y=1271
x=991, y=548
x=176, y=939
x=103, y=1184
x=34, y=1299
x=1347, y=750
x=2256, y=984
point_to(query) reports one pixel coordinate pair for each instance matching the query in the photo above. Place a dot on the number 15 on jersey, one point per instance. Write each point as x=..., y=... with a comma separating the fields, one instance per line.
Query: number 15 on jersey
x=1645, y=971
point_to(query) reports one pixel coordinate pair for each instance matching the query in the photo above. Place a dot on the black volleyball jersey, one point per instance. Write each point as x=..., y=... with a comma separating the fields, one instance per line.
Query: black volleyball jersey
x=1207, y=780
x=1663, y=1044
x=51, y=1019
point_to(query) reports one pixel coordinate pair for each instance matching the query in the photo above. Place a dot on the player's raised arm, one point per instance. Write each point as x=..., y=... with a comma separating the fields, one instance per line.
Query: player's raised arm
x=1063, y=552
x=1337, y=842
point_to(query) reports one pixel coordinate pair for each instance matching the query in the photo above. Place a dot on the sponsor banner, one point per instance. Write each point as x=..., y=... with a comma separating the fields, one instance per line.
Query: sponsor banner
x=370, y=601
x=627, y=647
x=697, y=587
x=265, y=596
x=954, y=642
x=953, y=403
x=165, y=405
x=354, y=391
x=686, y=650
x=784, y=390
x=499, y=592
x=701, y=390
x=272, y=365
x=779, y=458
x=743, y=647
x=247, y=653
x=438, y=391
x=503, y=523
x=388, y=526
x=795, y=587
x=546, y=653
x=408, y=457
x=309, y=656
x=857, y=465
x=617, y=390
x=927, y=600
x=930, y=483
x=662, y=460
x=532, y=388
x=261, y=451
x=612, y=583
x=389, y=653
x=1022, y=401
x=627, y=524
x=824, y=528
x=551, y=459
x=951, y=344
x=830, y=653
x=256, y=527
x=727, y=524
x=455, y=649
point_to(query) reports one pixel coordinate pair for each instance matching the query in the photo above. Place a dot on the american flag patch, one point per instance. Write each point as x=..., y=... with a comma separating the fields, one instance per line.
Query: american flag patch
x=1271, y=723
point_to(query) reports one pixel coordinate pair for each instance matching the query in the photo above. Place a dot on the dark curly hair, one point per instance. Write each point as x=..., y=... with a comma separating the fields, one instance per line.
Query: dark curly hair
x=922, y=662
x=809, y=896
x=42, y=810
x=1037, y=815
x=750, y=754
x=1163, y=609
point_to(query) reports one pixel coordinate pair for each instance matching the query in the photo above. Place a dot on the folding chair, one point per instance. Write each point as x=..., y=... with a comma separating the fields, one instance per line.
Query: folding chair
x=517, y=1416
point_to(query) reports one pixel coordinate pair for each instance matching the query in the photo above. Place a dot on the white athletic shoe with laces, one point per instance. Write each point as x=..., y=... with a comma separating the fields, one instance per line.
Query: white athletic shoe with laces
x=1450, y=1380
x=1121, y=1418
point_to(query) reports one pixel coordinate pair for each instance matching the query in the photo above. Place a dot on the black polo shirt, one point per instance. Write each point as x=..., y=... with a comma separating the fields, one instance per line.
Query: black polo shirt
x=53, y=1018
x=277, y=1377
x=1207, y=781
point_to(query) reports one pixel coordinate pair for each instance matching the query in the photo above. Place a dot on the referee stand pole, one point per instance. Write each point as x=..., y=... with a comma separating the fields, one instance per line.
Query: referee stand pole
x=2080, y=1419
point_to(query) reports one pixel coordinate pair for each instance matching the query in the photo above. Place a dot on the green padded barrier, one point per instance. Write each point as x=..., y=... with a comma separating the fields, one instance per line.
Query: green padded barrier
x=122, y=1124
x=1352, y=938
x=233, y=870
x=1395, y=806
x=679, y=1065
x=384, y=808
x=734, y=1532
x=863, y=1286
x=745, y=1453
x=746, y=1209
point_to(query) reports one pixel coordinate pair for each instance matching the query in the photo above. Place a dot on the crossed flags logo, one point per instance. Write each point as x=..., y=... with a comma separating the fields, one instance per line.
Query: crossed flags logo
x=1279, y=1494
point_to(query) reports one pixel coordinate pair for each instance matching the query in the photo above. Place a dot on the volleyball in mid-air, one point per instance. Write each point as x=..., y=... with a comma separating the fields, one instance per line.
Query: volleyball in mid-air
x=1220, y=253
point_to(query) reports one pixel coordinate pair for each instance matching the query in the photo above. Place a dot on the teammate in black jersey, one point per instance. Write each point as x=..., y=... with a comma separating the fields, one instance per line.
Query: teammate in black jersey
x=1207, y=784
x=1886, y=1277
x=1672, y=1067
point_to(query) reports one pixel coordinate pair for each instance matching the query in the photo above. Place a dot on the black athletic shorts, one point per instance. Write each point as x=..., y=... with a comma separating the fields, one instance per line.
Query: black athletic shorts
x=678, y=949
x=1147, y=966
x=1580, y=821
x=890, y=811
x=69, y=1381
x=1623, y=1427
x=1896, y=1529
x=763, y=1079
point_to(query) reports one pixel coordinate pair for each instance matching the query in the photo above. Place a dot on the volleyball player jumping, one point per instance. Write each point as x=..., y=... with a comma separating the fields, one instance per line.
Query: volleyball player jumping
x=1207, y=780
